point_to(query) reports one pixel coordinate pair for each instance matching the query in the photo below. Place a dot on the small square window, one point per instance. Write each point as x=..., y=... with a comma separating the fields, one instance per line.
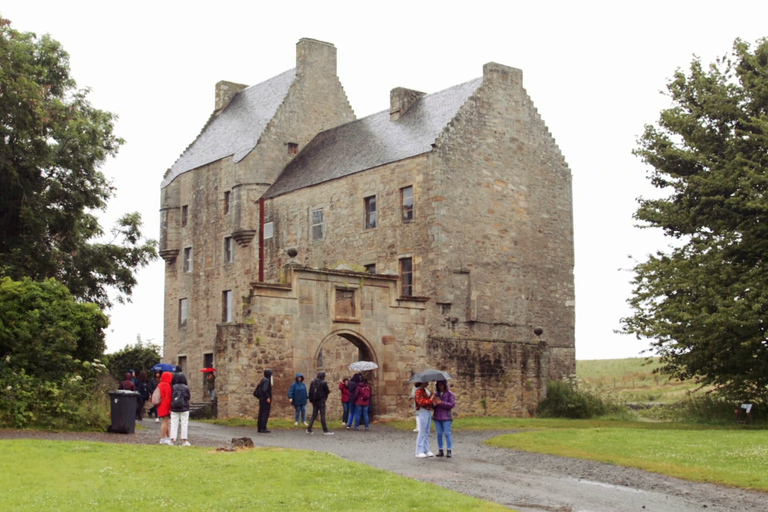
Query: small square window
x=187, y=265
x=293, y=148
x=229, y=250
x=184, y=215
x=370, y=268
x=183, y=312
x=370, y=212
x=226, y=201
x=406, y=195
x=318, y=224
x=406, y=277
x=226, y=306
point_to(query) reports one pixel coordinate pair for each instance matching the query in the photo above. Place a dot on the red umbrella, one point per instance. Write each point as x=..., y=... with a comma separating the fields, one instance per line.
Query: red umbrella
x=208, y=370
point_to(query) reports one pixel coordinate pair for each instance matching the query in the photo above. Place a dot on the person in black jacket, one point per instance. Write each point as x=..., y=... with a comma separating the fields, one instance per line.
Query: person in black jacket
x=143, y=388
x=318, y=394
x=151, y=386
x=180, y=408
x=264, y=393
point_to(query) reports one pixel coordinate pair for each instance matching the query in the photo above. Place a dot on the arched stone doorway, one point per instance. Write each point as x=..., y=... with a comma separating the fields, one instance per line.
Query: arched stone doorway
x=337, y=351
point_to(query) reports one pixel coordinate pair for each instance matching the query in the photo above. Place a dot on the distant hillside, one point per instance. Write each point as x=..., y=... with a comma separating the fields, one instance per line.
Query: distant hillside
x=632, y=379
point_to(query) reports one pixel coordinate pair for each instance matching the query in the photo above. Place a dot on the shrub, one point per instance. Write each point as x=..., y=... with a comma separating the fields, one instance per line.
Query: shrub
x=705, y=407
x=565, y=399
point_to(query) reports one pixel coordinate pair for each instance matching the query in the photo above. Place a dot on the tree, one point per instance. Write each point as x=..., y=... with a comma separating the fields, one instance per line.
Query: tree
x=52, y=143
x=704, y=301
x=45, y=331
x=140, y=356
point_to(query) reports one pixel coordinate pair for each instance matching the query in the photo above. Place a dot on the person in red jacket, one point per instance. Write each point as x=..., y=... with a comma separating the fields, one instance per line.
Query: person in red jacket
x=344, y=388
x=164, y=408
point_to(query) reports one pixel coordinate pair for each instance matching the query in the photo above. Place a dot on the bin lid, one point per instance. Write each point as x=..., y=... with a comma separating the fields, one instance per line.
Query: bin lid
x=123, y=392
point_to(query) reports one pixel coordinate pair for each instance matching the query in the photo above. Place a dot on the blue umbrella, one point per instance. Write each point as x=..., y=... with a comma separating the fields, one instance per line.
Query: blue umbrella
x=163, y=367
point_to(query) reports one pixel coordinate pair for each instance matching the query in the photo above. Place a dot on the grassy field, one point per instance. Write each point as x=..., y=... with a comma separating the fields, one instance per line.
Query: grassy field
x=65, y=475
x=632, y=380
x=735, y=457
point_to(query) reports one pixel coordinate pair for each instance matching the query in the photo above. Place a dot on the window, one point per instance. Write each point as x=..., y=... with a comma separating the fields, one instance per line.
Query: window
x=183, y=312
x=229, y=250
x=184, y=215
x=406, y=196
x=370, y=212
x=226, y=306
x=318, y=224
x=226, y=201
x=345, y=303
x=293, y=148
x=370, y=268
x=187, y=260
x=406, y=277
x=183, y=364
x=269, y=230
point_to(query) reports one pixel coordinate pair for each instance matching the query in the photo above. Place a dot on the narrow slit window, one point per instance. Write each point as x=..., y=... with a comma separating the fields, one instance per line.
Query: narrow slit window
x=370, y=212
x=226, y=306
x=229, y=250
x=406, y=276
x=227, y=203
x=187, y=265
x=406, y=194
x=184, y=215
x=183, y=312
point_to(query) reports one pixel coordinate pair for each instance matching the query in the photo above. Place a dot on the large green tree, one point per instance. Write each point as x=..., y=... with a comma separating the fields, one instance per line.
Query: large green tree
x=52, y=144
x=704, y=301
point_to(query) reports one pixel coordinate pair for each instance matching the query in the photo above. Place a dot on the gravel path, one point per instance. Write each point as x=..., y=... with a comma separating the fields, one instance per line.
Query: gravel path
x=528, y=482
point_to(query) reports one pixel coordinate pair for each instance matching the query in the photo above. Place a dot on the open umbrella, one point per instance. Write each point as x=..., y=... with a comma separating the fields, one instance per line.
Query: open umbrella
x=163, y=367
x=208, y=370
x=363, y=366
x=430, y=375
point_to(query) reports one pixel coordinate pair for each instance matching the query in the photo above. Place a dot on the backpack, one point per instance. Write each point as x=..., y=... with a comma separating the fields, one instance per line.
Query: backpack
x=365, y=393
x=178, y=398
x=156, y=396
x=314, y=391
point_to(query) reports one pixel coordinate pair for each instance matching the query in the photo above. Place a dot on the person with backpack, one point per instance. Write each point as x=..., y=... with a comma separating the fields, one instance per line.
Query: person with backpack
x=297, y=395
x=180, y=409
x=362, y=402
x=143, y=389
x=264, y=393
x=443, y=402
x=318, y=394
x=164, y=407
x=352, y=386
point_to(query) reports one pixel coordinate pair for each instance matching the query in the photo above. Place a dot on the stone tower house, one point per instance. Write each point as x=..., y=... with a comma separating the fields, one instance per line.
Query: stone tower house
x=436, y=233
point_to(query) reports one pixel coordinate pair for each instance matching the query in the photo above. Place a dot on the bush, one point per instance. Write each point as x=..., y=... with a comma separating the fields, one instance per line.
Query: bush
x=705, y=407
x=77, y=402
x=565, y=399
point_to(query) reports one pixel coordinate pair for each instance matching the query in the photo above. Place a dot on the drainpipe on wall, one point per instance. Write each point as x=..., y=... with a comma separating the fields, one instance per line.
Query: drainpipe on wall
x=261, y=240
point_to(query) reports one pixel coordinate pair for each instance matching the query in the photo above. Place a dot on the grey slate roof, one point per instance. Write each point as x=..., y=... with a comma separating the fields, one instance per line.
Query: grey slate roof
x=236, y=131
x=373, y=141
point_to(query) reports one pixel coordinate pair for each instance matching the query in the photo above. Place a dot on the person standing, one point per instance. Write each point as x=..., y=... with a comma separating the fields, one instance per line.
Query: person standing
x=210, y=382
x=264, y=393
x=344, y=388
x=352, y=387
x=180, y=409
x=127, y=384
x=423, y=402
x=318, y=394
x=143, y=389
x=164, y=407
x=362, y=401
x=151, y=386
x=443, y=402
x=297, y=395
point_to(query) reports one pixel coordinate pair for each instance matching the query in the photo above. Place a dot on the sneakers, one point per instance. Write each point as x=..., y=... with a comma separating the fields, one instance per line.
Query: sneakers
x=327, y=433
x=430, y=454
x=296, y=423
x=186, y=443
x=416, y=430
x=348, y=427
x=422, y=456
x=157, y=420
x=357, y=428
x=309, y=432
x=305, y=423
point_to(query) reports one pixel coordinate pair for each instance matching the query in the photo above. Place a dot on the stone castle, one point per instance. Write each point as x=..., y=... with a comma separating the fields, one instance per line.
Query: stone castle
x=437, y=233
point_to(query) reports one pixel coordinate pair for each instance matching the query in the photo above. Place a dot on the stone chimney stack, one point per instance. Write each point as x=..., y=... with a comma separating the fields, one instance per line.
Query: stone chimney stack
x=225, y=91
x=315, y=58
x=492, y=71
x=400, y=100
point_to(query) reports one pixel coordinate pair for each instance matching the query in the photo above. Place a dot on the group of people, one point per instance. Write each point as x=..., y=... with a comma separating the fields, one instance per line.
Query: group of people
x=439, y=405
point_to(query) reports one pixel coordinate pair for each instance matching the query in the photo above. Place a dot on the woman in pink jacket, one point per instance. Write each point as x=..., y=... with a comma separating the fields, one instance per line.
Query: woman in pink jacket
x=164, y=408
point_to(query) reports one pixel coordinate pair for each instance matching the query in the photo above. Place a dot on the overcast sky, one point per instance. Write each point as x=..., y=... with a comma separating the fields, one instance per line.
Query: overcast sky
x=594, y=70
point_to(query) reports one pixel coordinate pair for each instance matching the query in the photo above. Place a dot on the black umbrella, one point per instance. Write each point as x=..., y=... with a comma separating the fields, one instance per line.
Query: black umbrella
x=430, y=375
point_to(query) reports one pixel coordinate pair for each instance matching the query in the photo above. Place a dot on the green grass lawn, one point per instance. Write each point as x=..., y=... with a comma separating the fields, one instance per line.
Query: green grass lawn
x=66, y=475
x=735, y=457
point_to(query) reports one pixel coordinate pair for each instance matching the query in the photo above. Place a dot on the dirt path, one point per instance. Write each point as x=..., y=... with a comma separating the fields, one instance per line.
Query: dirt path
x=525, y=481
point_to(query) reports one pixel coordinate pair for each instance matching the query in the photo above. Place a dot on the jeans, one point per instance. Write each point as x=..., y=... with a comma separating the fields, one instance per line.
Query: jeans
x=361, y=409
x=422, y=441
x=212, y=394
x=318, y=407
x=444, y=427
x=345, y=416
x=352, y=412
x=176, y=418
x=301, y=411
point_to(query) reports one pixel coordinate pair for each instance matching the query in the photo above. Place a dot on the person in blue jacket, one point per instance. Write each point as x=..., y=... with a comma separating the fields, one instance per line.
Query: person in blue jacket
x=297, y=395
